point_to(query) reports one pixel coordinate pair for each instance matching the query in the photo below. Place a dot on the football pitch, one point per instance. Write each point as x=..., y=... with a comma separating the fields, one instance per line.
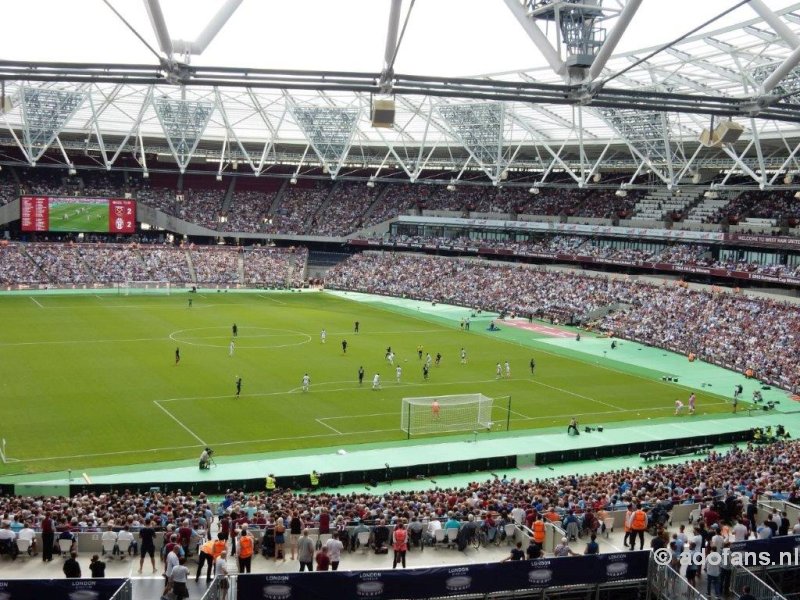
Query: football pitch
x=90, y=217
x=91, y=380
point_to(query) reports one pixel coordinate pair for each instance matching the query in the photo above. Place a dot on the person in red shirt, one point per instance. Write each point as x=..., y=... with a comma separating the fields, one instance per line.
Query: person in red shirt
x=324, y=522
x=323, y=560
x=400, y=544
x=48, y=538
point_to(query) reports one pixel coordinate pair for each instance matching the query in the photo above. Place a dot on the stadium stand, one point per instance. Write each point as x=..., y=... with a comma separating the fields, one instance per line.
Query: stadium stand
x=659, y=315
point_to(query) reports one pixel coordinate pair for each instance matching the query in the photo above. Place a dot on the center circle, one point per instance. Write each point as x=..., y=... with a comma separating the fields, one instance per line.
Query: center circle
x=247, y=338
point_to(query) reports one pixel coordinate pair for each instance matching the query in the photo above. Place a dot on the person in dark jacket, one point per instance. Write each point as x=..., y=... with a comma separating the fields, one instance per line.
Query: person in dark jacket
x=72, y=570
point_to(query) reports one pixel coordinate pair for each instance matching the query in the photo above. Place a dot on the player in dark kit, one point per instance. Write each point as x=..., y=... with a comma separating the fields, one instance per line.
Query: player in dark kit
x=533, y=365
x=360, y=375
x=344, y=346
x=177, y=355
x=425, y=371
x=235, y=330
x=238, y=386
x=190, y=303
x=355, y=327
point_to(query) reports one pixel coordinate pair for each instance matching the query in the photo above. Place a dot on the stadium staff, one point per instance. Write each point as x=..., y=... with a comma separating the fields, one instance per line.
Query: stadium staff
x=246, y=544
x=314, y=478
x=638, y=527
x=270, y=483
x=209, y=552
x=538, y=530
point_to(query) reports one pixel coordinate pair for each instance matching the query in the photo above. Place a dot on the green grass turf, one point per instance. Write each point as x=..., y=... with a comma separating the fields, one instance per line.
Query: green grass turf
x=90, y=381
x=92, y=218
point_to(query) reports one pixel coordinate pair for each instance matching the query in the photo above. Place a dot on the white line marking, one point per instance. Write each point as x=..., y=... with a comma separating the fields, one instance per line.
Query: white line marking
x=98, y=454
x=328, y=426
x=357, y=416
x=36, y=302
x=554, y=387
x=269, y=298
x=179, y=422
x=43, y=343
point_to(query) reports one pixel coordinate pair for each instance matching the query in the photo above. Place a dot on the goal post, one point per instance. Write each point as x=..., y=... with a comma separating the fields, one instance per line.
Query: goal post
x=145, y=287
x=444, y=414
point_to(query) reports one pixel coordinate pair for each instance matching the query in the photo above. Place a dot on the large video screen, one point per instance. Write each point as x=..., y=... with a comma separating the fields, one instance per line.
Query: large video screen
x=90, y=215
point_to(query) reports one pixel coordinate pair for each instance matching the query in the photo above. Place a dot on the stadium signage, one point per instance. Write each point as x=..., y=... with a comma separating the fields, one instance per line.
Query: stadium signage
x=771, y=241
x=641, y=232
x=77, y=214
x=451, y=581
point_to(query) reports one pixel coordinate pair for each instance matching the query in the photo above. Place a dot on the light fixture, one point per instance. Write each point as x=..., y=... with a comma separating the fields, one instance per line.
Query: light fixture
x=533, y=190
x=451, y=188
x=371, y=182
x=788, y=179
x=797, y=195
x=621, y=193
x=146, y=175
x=219, y=177
x=696, y=178
x=293, y=181
x=73, y=171
x=597, y=177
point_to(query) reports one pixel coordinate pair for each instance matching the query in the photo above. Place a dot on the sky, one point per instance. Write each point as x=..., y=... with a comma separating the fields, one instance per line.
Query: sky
x=446, y=38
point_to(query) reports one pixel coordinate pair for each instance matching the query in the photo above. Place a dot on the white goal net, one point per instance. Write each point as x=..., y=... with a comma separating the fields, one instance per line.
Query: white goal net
x=145, y=287
x=435, y=414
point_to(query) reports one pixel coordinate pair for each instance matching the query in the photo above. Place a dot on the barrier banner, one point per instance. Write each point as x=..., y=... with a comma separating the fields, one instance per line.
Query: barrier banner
x=445, y=581
x=59, y=589
x=782, y=550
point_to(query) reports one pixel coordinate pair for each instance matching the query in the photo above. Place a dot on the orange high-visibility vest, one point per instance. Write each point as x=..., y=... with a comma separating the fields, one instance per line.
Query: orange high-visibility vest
x=538, y=532
x=639, y=522
x=245, y=546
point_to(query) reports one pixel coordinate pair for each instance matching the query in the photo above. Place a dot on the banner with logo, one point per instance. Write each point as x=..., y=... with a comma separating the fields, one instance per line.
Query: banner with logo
x=445, y=581
x=59, y=589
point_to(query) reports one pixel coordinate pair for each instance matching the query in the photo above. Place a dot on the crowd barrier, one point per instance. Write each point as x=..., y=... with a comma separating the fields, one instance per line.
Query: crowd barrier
x=446, y=581
x=60, y=589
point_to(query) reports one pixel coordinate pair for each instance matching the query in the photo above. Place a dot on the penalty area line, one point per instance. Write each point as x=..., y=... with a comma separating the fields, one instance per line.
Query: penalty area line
x=36, y=302
x=328, y=426
x=179, y=422
x=273, y=299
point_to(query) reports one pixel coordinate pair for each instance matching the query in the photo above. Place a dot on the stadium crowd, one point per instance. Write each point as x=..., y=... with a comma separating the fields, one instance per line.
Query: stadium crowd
x=727, y=485
x=104, y=264
x=699, y=255
x=739, y=332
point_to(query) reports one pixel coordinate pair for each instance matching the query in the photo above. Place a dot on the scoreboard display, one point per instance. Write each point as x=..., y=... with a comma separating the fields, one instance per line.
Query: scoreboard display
x=91, y=215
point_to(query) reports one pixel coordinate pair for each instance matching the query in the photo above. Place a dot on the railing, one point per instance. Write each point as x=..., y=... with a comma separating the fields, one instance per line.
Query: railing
x=125, y=592
x=668, y=584
x=216, y=591
x=742, y=576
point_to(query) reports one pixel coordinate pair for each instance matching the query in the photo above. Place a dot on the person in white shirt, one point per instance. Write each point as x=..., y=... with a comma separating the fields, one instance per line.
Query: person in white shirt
x=717, y=542
x=221, y=573
x=126, y=536
x=8, y=539
x=172, y=561
x=335, y=548
x=231, y=348
x=433, y=525
x=399, y=372
x=109, y=539
x=376, y=382
x=26, y=533
x=323, y=336
x=306, y=382
x=739, y=532
x=764, y=532
x=518, y=514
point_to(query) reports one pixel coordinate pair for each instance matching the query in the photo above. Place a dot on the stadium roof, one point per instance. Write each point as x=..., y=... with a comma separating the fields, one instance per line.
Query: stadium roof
x=642, y=109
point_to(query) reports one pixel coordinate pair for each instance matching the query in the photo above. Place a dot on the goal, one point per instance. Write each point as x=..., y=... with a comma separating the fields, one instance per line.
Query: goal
x=460, y=412
x=145, y=287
